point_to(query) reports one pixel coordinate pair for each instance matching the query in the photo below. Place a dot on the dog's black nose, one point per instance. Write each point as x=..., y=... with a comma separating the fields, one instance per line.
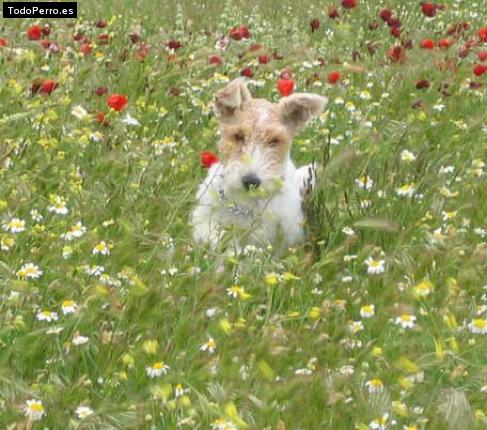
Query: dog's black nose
x=250, y=180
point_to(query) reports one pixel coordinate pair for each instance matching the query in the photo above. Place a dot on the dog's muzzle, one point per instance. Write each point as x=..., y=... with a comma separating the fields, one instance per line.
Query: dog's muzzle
x=250, y=181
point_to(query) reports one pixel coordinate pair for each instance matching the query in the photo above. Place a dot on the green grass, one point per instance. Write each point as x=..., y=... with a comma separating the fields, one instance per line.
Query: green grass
x=135, y=192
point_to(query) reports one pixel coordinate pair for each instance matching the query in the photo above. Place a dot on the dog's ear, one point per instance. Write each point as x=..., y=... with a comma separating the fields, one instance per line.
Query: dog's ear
x=297, y=109
x=234, y=96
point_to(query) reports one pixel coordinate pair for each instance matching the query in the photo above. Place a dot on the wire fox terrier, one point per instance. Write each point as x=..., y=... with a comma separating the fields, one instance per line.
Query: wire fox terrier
x=255, y=190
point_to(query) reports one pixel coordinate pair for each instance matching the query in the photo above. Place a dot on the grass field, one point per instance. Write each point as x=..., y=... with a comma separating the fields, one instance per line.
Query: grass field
x=112, y=318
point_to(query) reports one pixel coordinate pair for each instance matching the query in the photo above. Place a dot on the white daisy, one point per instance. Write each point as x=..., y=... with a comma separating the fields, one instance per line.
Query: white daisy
x=375, y=267
x=79, y=112
x=367, y=311
x=29, y=271
x=77, y=230
x=69, y=307
x=374, y=386
x=15, y=225
x=101, y=248
x=83, y=411
x=34, y=410
x=478, y=326
x=406, y=320
x=157, y=369
x=364, y=182
x=407, y=156
x=47, y=316
x=58, y=205
x=80, y=340
x=209, y=346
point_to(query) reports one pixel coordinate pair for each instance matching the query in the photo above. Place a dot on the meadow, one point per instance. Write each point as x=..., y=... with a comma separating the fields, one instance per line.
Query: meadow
x=111, y=317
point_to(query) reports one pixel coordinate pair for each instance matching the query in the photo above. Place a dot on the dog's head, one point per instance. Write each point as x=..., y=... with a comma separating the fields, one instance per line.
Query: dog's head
x=256, y=137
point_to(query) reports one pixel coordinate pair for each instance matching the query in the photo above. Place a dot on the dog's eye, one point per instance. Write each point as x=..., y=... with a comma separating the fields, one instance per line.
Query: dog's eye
x=274, y=141
x=239, y=137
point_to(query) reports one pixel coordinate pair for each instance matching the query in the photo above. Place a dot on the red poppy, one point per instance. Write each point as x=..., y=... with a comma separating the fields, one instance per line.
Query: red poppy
x=482, y=33
x=397, y=54
x=385, y=14
x=482, y=55
x=100, y=91
x=101, y=23
x=445, y=43
x=423, y=84
x=215, y=60
x=349, y=4
x=427, y=44
x=333, y=13
x=80, y=37
x=315, y=24
x=117, y=102
x=208, y=158
x=333, y=77
x=46, y=30
x=85, y=48
x=393, y=22
x=285, y=86
x=174, y=44
x=45, y=43
x=429, y=9
x=264, y=59
x=134, y=37
x=34, y=32
x=103, y=39
x=396, y=32
x=479, y=69
x=239, y=33
x=100, y=117
x=463, y=53
x=247, y=72
x=3, y=43
x=48, y=86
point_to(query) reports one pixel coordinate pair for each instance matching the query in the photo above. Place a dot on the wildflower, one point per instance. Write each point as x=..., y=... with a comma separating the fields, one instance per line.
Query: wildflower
x=117, y=102
x=58, y=205
x=222, y=424
x=34, y=32
x=407, y=156
x=478, y=326
x=101, y=248
x=209, y=346
x=77, y=230
x=29, y=270
x=129, y=120
x=285, y=86
x=429, y=9
x=48, y=86
x=364, y=182
x=333, y=77
x=157, y=369
x=47, y=316
x=15, y=225
x=367, y=311
x=375, y=267
x=69, y=307
x=427, y=44
x=407, y=190
x=80, y=340
x=479, y=69
x=6, y=243
x=237, y=292
x=379, y=423
x=315, y=24
x=348, y=231
x=208, y=158
x=406, y=320
x=374, y=386
x=349, y=4
x=34, y=410
x=79, y=112
x=83, y=411
x=356, y=326
x=423, y=289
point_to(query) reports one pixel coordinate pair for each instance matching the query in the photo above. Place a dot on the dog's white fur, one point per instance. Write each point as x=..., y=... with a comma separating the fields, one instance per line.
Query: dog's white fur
x=272, y=212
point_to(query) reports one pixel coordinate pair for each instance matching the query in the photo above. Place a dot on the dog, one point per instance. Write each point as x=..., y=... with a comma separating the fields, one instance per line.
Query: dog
x=255, y=190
